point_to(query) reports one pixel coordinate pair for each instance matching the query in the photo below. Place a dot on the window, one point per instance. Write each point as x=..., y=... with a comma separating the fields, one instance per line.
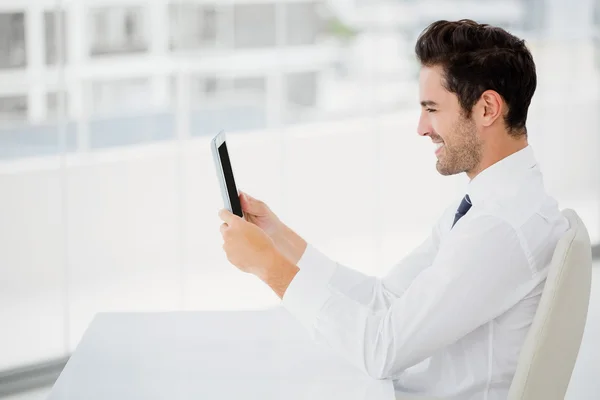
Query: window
x=596, y=33
x=251, y=92
x=214, y=90
x=207, y=89
x=302, y=23
x=13, y=53
x=302, y=89
x=255, y=86
x=232, y=104
x=117, y=30
x=534, y=12
x=301, y=95
x=13, y=108
x=55, y=29
x=53, y=106
x=193, y=26
x=254, y=25
x=120, y=96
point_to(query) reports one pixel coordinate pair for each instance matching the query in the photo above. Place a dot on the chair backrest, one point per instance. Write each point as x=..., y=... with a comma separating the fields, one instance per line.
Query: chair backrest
x=552, y=343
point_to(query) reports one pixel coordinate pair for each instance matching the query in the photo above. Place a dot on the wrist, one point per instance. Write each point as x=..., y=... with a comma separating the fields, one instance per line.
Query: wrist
x=278, y=232
x=279, y=274
x=289, y=243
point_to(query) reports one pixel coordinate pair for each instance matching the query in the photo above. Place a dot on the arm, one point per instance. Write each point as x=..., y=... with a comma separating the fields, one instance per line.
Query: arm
x=370, y=291
x=374, y=293
x=471, y=282
x=289, y=243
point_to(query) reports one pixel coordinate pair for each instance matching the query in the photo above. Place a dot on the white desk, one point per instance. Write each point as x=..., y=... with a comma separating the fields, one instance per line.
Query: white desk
x=239, y=355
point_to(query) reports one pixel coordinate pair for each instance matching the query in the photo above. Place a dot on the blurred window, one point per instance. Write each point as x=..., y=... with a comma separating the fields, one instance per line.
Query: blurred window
x=302, y=23
x=301, y=95
x=117, y=30
x=193, y=26
x=250, y=85
x=254, y=25
x=223, y=92
x=596, y=34
x=52, y=104
x=120, y=96
x=232, y=104
x=55, y=25
x=13, y=108
x=13, y=52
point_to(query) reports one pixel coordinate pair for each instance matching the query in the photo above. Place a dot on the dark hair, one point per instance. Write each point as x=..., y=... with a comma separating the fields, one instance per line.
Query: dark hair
x=479, y=57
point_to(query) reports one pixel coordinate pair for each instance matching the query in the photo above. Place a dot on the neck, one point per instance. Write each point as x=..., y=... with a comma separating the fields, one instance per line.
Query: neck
x=497, y=151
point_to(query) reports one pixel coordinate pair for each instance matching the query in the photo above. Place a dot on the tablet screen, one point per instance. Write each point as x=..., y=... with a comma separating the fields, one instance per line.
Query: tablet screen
x=236, y=207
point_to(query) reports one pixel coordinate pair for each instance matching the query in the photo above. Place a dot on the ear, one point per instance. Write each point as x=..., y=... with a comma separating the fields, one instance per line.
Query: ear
x=489, y=107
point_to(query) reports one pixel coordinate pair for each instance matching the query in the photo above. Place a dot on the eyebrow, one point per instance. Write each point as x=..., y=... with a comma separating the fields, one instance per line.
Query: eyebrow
x=428, y=103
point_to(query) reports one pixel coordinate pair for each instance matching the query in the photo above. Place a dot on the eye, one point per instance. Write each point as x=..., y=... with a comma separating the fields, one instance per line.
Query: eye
x=430, y=110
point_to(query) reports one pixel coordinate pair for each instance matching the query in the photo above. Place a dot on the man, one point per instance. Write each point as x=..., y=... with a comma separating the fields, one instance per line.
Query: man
x=450, y=319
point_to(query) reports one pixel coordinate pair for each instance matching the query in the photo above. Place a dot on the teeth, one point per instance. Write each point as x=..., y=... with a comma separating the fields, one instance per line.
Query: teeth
x=438, y=145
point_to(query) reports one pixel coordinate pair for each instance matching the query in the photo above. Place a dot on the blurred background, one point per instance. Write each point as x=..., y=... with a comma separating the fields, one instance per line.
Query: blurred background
x=108, y=192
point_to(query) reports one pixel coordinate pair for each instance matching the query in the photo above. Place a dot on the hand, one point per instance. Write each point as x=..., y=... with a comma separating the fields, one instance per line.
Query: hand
x=258, y=213
x=288, y=243
x=247, y=246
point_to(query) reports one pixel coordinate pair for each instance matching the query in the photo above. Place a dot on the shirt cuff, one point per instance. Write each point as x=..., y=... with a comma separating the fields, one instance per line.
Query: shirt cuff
x=343, y=279
x=313, y=258
x=309, y=290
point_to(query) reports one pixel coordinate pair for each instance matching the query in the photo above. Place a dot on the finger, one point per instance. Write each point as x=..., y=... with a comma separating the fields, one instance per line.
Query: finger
x=226, y=216
x=252, y=205
x=244, y=200
x=248, y=197
x=223, y=227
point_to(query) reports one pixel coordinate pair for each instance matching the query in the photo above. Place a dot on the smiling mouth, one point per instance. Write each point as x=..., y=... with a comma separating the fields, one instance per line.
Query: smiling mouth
x=438, y=147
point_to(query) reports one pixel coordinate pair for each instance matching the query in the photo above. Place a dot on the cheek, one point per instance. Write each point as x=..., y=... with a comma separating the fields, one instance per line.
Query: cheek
x=441, y=126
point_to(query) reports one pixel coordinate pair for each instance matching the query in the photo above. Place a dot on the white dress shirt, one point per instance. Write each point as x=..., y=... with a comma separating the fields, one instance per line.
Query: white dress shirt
x=448, y=320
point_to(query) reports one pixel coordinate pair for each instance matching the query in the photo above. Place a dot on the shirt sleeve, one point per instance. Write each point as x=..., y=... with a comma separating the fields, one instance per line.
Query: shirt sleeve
x=479, y=272
x=376, y=294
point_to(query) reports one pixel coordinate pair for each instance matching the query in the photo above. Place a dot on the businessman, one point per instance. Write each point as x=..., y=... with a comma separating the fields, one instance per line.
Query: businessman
x=449, y=320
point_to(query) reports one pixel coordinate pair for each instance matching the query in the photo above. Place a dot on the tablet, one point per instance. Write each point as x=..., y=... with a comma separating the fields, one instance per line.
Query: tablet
x=225, y=174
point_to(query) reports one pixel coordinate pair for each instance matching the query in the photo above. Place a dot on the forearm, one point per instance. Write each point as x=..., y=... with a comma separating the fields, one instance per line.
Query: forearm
x=279, y=274
x=365, y=289
x=289, y=243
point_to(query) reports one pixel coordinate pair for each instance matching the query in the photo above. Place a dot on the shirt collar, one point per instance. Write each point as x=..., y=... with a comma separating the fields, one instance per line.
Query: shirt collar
x=502, y=177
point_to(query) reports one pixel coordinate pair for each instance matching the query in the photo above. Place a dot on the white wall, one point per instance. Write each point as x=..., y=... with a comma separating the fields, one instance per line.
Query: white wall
x=32, y=279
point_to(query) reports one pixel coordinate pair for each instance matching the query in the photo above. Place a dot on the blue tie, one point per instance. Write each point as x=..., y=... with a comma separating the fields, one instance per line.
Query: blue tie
x=465, y=206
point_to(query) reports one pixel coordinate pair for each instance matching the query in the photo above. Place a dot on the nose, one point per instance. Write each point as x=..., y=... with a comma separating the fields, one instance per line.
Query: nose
x=424, y=128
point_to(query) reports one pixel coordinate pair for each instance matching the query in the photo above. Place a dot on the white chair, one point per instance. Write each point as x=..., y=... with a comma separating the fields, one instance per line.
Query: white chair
x=552, y=344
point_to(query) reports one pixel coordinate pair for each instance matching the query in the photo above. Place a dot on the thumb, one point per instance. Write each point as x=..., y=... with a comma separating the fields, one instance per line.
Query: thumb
x=251, y=205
